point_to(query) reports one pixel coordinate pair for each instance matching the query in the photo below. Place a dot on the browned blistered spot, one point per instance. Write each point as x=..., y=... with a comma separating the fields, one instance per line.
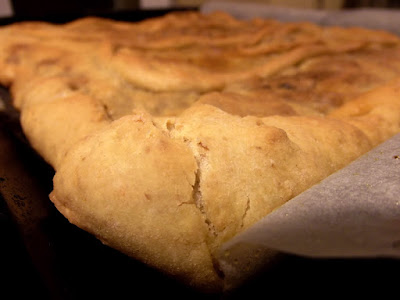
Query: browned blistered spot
x=76, y=83
x=115, y=48
x=19, y=47
x=13, y=59
x=147, y=149
x=15, y=53
x=170, y=126
x=286, y=86
x=163, y=144
x=73, y=86
x=147, y=196
x=47, y=62
x=202, y=145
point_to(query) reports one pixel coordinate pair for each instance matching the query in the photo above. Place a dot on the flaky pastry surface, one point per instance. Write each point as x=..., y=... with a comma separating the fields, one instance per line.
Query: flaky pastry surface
x=172, y=135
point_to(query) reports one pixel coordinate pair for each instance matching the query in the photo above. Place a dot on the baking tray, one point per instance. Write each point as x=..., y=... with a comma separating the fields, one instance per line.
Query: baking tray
x=43, y=255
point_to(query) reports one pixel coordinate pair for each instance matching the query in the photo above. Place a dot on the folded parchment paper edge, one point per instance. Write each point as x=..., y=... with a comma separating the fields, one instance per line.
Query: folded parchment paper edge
x=355, y=212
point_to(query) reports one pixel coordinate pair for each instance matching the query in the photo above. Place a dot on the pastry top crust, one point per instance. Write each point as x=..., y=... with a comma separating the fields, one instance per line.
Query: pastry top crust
x=172, y=135
x=164, y=65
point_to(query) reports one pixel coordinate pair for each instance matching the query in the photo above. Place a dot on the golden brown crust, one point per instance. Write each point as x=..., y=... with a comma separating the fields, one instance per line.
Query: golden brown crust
x=163, y=214
x=80, y=112
x=168, y=139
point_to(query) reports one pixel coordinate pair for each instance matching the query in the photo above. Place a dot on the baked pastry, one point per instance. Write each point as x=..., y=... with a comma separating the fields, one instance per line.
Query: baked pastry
x=167, y=139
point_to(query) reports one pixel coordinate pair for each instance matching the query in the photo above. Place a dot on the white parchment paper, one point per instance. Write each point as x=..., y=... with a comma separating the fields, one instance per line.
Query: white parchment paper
x=355, y=212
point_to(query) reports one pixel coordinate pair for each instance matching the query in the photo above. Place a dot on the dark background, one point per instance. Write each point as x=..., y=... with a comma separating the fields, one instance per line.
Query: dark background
x=49, y=8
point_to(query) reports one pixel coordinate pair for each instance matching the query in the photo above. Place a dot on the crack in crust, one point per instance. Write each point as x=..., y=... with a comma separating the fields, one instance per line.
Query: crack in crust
x=198, y=199
x=245, y=211
x=168, y=126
